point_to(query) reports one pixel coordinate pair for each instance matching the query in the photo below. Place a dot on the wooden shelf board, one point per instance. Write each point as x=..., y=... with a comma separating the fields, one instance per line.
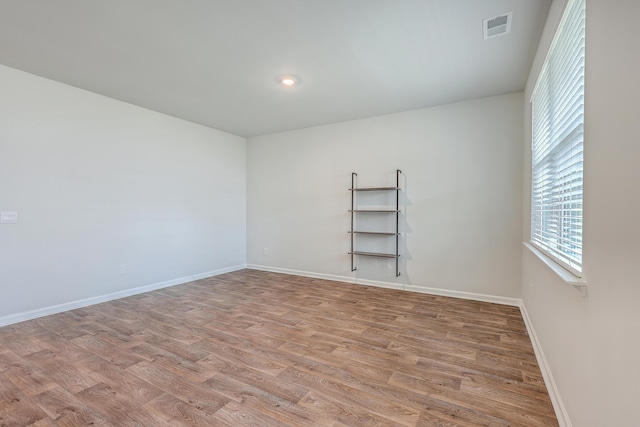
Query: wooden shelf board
x=374, y=254
x=382, y=233
x=375, y=210
x=375, y=189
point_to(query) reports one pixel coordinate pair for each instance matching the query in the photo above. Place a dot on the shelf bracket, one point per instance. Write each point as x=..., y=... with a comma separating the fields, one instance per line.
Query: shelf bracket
x=581, y=288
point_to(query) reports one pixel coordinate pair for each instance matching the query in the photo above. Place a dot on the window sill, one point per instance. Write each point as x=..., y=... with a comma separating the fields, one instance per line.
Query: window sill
x=569, y=278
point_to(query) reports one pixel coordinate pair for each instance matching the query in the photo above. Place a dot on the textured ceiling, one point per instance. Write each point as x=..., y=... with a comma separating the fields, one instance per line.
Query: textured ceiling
x=216, y=62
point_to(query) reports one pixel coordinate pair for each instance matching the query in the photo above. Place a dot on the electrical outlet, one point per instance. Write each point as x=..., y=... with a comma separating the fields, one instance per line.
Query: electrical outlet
x=8, y=217
x=265, y=251
x=123, y=268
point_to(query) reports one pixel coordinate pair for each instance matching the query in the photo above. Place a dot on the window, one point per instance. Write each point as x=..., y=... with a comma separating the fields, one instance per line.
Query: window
x=557, y=144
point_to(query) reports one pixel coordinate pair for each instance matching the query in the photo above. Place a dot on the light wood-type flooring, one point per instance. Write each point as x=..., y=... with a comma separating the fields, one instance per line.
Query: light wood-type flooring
x=253, y=348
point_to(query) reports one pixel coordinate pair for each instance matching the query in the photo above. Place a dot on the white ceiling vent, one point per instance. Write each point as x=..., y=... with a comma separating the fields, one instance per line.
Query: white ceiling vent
x=497, y=26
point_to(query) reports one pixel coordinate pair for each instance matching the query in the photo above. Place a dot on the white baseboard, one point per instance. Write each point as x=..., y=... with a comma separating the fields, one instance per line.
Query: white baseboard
x=301, y=273
x=558, y=405
x=33, y=314
x=515, y=302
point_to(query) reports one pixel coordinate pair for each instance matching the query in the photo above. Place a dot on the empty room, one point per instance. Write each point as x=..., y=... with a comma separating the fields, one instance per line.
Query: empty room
x=319, y=213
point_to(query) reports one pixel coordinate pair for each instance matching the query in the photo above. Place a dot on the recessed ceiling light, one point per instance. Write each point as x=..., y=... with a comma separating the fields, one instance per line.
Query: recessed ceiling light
x=288, y=81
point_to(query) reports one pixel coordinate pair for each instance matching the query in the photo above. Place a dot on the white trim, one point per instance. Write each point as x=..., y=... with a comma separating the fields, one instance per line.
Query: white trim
x=300, y=273
x=33, y=314
x=551, y=26
x=554, y=394
x=515, y=302
x=579, y=283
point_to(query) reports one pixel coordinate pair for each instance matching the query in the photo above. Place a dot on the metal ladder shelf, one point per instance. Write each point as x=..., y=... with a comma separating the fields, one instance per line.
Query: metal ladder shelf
x=354, y=211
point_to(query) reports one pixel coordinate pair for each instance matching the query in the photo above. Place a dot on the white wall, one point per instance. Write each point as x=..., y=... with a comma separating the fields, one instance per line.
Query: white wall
x=98, y=183
x=592, y=344
x=462, y=180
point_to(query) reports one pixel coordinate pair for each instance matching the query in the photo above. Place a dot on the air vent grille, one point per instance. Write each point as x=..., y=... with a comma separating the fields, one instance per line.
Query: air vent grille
x=497, y=26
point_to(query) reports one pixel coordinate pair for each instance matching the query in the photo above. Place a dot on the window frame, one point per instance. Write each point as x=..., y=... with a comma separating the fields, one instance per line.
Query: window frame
x=557, y=144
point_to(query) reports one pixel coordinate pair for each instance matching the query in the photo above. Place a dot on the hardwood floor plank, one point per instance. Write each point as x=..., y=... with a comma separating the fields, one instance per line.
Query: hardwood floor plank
x=8, y=359
x=438, y=419
x=242, y=357
x=137, y=390
x=499, y=395
x=537, y=391
x=117, y=333
x=320, y=330
x=175, y=363
x=16, y=408
x=375, y=356
x=102, y=347
x=46, y=422
x=267, y=349
x=422, y=347
x=23, y=345
x=66, y=375
x=176, y=412
x=364, y=370
x=343, y=412
x=238, y=414
x=29, y=380
x=169, y=346
x=201, y=396
x=65, y=349
x=116, y=407
x=287, y=391
x=354, y=396
x=66, y=410
x=517, y=415
x=283, y=409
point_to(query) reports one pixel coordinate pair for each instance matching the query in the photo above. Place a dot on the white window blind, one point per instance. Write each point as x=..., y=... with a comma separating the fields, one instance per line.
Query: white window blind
x=557, y=144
